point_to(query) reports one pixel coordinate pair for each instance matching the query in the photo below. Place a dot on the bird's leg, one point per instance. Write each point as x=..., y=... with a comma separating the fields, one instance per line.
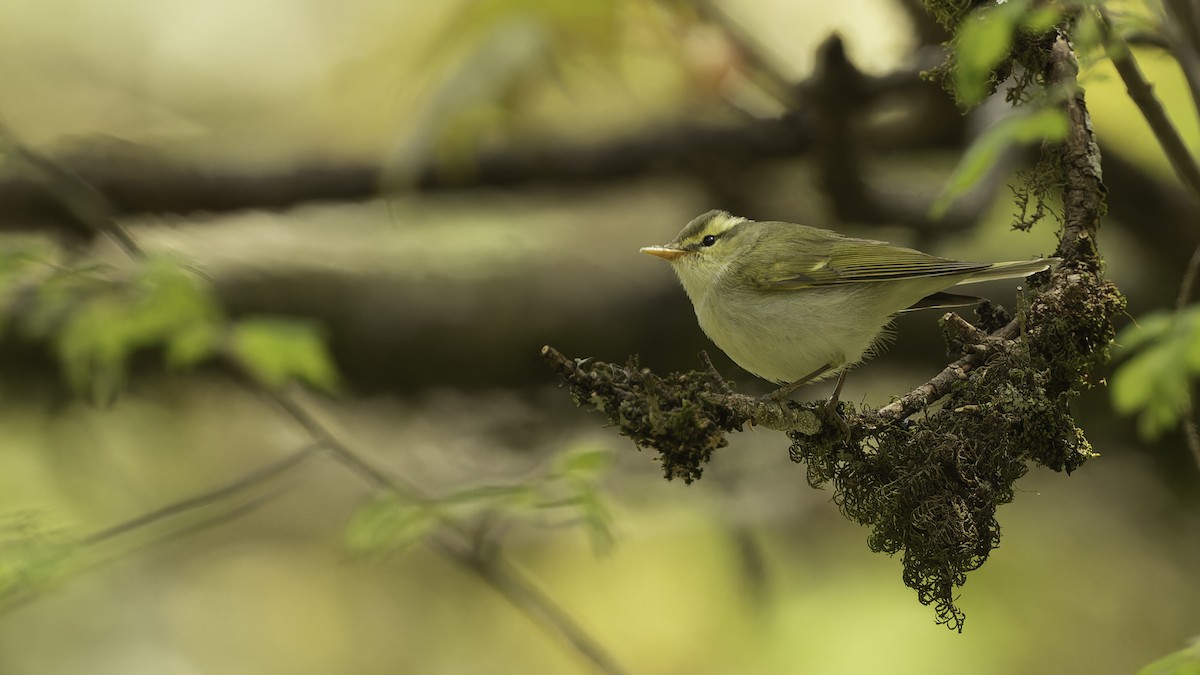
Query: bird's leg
x=782, y=394
x=837, y=389
x=832, y=403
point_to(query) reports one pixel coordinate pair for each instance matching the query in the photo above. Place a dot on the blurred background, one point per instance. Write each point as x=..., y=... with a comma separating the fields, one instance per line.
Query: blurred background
x=443, y=188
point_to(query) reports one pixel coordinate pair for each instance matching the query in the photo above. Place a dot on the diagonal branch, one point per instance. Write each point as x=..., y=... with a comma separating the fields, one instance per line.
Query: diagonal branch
x=92, y=211
x=1141, y=92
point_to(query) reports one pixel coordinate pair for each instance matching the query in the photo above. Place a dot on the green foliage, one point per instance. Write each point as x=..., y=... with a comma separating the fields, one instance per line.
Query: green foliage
x=1043, y=126
x=1036, y=190
x=277, y=351
x=1162, y=358
x=387, y=524
x=31, y=558
x=19, y=261
x=1183, y=662
x=989, y=40
x=98, y=321
x=982, y=42
x=493, y=54
x=587, y=21
x=568, y=491
x=98, y=318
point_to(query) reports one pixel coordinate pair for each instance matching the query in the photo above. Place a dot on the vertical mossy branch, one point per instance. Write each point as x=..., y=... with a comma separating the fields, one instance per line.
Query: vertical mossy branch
x=1083, y=187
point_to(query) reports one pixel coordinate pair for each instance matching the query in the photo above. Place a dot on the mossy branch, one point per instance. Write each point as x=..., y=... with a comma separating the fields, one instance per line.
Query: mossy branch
x=927, y=485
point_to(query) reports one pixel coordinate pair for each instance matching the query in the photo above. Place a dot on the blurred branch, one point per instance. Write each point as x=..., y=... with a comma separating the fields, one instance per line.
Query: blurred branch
x=1191, y=433
x=240, y=484
x=85, y=207
x=136, y=181
x=838, y=94
x=1182, y=28
x=154, y=185
x=90, y=209
x=1142, y=93
x=760, y=60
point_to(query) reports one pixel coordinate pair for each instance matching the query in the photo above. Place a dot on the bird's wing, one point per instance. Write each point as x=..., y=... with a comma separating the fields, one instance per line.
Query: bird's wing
x=852, y=261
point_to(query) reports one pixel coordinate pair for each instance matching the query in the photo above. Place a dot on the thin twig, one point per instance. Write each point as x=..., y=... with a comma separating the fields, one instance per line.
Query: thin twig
x=92, y=210
x=939, y=385
x=1190, y=274
x=83, y=203
x=494, y=568
x=521, y=592
x=756, y=54
x=243, y=482
x=14, y=599
x=1191, y=434
x=1141, y=91
x=1183, y=38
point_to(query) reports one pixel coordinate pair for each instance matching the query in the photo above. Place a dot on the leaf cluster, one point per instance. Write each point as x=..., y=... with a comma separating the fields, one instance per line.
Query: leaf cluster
x=97, y=318
x=567, y=491
x=1161, y=359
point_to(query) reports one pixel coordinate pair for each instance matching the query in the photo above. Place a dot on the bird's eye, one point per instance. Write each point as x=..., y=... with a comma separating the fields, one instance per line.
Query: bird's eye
x=709, y=240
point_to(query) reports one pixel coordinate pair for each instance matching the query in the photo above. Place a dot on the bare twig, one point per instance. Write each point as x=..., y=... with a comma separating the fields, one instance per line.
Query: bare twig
x=1190, y=274
x=1191, y=434
x=1182, y=28
x=241, y=483
x=939, y=385
x=92, y=211
x=1142, y=93
x=136, y=181
x=761, y=61
x=85, y=205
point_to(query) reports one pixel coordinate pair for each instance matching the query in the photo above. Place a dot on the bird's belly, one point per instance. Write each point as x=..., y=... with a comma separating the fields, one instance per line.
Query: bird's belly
x=770, y=336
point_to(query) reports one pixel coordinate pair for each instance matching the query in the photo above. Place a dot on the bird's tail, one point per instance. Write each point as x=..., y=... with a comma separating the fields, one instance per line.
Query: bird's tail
x=1010, y=270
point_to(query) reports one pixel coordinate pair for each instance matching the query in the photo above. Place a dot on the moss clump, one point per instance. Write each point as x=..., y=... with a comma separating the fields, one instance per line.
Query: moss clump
x=679, y=415
x=1072, y=328
x=930, y=487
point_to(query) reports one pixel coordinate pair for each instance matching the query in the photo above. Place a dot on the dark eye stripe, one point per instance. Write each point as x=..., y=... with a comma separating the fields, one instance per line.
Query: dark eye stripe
x=709, y=240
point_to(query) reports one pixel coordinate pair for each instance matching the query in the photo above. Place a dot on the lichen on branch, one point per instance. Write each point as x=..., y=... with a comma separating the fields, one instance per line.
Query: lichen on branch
x=927, y=471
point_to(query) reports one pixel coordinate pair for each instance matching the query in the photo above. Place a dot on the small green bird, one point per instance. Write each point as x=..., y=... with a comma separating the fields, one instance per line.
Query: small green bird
x=794, y=304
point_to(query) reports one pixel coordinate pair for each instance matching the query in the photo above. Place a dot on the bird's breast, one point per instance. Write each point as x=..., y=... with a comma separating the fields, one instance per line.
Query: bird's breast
x=784, y=336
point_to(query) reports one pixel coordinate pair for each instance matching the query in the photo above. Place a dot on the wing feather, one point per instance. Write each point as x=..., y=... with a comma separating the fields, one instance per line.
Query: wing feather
x=852, y=261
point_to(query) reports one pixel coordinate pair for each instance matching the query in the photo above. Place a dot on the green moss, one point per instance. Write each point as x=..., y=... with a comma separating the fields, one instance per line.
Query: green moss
x=929, y=488
x=1073, y=328
x=678, y=415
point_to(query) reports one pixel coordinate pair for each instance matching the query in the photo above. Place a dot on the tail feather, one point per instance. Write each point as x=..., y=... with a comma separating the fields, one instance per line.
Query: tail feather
x=1010, y=270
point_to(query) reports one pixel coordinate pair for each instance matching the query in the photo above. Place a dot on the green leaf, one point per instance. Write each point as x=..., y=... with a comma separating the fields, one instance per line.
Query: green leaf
x=278, y=351
x=31, y=558
x=1183, y=662
x=1145, y=329
x=98, y=323
x=1154, y=381
x=388, y=524
x=983, y=41
x=596, y=517
x=1046, y=125
x=1041, y=19
x=586, y=461
x=493, y=495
